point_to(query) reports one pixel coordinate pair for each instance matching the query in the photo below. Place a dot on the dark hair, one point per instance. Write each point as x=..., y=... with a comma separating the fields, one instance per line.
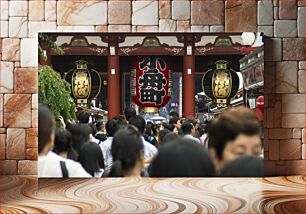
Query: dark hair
x=62, y=142
x=126, y=148
x=46, y=125
x=69, y=125
x=228, y=125
x=170, y=127
x=139, y=123
x=174, y=120
x=202, y=129
x=151, y=128
x=186, y=127
x=91, y=158
x=162, y=134
x=119, y=117
x=174, y=114
x=129, y=112
x=191, y=120
x=169, y=137
x=100, y=125
x=149, y=134
x=245, y=166
x=113, y=125
x=80, y=135
x=182, y=158
x=93, y=129
x=83, y=117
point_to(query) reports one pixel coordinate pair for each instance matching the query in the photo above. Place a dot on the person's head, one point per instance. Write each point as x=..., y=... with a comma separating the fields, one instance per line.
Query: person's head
x=232, y=134
x=153, y=128
x=182, y=158
x=208, y=124
x=62, y=142
x=175, y=121
x=169, y=137
x=100, y=126
x=187, y=128
x=80, y=134
x=46, y=127
x=91, y=158
x=83, y=117
x=201, y=128
x=94, y=129
x=139, y=123
x=162, y=134
x=170, y=127
x=120, y=117
x=244, y=166
x=173, y=114
x=127, y=151
x=148, y=129
x=129, y=112
x=192, y=120
x=113, y=125
x=69, y=125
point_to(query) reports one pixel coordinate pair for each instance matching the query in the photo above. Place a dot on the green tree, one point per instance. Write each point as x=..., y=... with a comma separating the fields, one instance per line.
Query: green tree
x=56, y=93
x=50, y=43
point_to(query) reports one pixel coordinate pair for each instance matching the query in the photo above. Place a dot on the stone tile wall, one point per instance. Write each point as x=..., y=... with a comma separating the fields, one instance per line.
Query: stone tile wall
x=282, y=20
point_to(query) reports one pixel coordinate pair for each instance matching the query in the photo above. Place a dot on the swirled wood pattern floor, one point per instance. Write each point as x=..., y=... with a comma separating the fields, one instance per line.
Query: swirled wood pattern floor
x=153, y=195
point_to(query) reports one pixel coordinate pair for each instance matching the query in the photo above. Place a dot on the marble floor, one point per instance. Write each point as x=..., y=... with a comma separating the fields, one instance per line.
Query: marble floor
x=151, y=195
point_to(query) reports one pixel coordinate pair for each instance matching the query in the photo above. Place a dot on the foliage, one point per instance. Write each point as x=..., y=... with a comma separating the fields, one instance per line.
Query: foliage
x=50, y=43
x=55, y=92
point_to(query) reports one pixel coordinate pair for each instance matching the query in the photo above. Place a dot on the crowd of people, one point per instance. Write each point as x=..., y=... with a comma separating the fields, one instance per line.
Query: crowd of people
x=127, y=145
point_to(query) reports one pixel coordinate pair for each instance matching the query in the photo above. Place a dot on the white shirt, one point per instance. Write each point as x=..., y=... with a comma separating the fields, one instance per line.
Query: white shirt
x=99, y=174
x=49, y=166
x=204, y=141
x=149, y=149
x=106, y=147
x=189, y=136
x=95, y=140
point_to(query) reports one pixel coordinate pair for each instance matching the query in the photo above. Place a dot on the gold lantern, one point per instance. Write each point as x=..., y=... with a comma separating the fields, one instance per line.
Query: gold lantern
x=81, y=83
x=221, y=84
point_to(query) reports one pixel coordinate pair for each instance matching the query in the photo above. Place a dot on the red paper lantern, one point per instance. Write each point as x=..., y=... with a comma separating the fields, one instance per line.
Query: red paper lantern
x=151, y=82
x=260, y=103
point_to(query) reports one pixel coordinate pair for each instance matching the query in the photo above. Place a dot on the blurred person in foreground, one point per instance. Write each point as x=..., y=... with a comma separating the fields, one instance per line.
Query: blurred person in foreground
x=49, y=163
x=245, y=166
x=182, y=158
x=232, y=134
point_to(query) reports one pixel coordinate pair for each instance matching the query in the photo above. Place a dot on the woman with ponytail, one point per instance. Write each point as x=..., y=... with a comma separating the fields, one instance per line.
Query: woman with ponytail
x=127, y=152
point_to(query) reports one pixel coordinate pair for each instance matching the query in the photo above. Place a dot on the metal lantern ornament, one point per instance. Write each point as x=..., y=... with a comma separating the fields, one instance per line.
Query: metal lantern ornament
x=85, y=83
x=221, y=83
x=151, y=83
x=81, y=82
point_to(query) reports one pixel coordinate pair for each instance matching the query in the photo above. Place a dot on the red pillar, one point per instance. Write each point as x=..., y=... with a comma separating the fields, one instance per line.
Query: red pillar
x=189, y=86
x=114, y=90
